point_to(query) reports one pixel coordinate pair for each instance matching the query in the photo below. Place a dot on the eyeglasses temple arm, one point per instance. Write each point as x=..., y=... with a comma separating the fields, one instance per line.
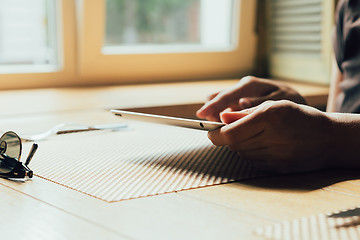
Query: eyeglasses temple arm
x=31, y=154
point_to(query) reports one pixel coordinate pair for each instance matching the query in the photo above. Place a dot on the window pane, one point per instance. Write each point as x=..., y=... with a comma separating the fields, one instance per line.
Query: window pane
x=152, y=25
x=27, y=34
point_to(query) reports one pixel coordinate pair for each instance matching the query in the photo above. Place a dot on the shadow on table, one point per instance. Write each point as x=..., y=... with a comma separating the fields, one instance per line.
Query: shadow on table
x=222, y=165
x=305, y=181
x=352, y=217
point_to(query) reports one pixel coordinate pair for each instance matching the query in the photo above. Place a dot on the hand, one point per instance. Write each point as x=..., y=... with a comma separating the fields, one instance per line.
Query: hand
x=279, y=136
x=249, y=92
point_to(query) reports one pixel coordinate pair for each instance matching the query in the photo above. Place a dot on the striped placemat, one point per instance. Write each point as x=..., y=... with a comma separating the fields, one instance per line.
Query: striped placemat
x=146, y=160
x=342, y=225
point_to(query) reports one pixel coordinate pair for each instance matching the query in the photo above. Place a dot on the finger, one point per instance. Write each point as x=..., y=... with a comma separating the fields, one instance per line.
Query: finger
x=217, y=137
x=245, y=103
x=247, y=87
x=211, y=109
x=227, y=99
x=236, y=132
x=209, y=117
x=248, y=102
x=255, y=142
x=256, y=87
x=212, y=96
x=249, y=92
x=230, y=117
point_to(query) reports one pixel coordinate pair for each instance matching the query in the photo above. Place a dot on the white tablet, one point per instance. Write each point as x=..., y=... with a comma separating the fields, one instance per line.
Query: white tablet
x=174, y=121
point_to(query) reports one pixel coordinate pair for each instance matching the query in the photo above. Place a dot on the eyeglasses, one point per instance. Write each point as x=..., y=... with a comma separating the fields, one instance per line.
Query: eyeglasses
x=10, y=153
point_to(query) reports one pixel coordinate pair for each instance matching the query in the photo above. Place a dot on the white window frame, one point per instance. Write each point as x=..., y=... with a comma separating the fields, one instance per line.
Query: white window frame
x=49, y=76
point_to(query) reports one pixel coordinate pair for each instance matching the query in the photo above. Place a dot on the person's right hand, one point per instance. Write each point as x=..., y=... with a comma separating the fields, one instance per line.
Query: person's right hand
x=249, y=92
x=284, y=137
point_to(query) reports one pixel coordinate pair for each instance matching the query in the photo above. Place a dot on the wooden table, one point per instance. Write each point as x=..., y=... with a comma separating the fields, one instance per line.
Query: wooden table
x=39, y=209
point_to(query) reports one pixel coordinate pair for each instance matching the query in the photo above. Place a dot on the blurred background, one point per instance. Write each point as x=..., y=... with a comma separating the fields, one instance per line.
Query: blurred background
x=57, y=43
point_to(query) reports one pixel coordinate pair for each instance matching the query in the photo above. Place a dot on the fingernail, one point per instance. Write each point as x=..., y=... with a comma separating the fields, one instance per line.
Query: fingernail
x=199, y=112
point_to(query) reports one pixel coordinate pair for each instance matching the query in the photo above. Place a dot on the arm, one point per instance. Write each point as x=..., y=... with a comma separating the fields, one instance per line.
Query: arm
x=336, y=78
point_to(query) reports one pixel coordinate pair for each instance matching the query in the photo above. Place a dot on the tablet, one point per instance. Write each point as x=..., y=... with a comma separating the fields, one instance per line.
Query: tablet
x=174, y=121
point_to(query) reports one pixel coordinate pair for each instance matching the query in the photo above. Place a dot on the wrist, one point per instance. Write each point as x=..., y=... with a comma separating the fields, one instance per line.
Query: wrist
x=344, y=133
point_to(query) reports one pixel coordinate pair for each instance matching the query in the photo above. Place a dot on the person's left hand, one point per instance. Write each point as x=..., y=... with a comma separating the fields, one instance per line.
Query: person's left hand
x=278, y=136
x=248, y=92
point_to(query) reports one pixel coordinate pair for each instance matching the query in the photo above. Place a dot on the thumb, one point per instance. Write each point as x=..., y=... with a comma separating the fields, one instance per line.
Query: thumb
x=230, y=117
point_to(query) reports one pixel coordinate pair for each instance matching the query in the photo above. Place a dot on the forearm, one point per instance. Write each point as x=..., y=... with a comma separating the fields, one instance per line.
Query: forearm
x=345, y=134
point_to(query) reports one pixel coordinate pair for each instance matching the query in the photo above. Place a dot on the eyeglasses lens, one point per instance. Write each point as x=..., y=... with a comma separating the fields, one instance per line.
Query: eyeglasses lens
x=10, y=150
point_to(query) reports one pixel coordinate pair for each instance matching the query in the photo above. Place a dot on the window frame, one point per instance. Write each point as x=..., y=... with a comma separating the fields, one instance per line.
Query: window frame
x=96, y=67
x=82, y=63
x=46, y=76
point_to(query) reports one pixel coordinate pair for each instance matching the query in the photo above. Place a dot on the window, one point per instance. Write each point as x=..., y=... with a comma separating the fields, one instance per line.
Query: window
x=28, y=30
x=300, y=39
x=208, y=43
x=50, y=43
x=37, y=43
x=154, y=26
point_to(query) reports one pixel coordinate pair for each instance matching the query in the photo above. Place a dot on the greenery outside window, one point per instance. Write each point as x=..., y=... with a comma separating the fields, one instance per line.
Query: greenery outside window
x=85, y=42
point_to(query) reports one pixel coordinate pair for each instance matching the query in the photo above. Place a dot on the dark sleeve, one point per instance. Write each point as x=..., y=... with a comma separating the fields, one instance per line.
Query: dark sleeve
x=347, y=52
x=338, y=39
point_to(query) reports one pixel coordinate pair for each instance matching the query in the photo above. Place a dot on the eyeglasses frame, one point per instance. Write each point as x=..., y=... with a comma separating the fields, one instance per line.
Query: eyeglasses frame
x=21, y=170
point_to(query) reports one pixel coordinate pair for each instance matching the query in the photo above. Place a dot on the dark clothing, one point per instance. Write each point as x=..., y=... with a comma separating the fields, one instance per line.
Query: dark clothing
x=347, y=52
